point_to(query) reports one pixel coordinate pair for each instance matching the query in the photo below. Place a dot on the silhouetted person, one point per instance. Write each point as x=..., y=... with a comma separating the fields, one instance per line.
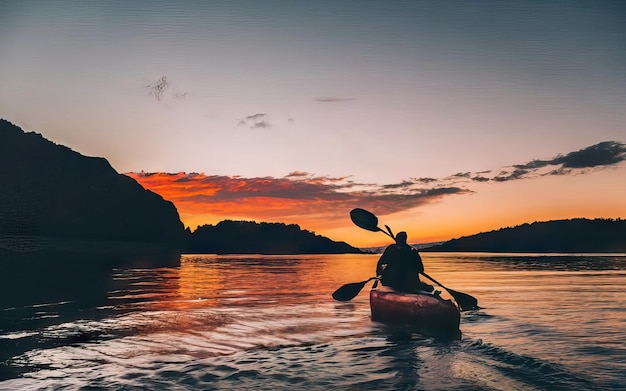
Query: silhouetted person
x=399, y=267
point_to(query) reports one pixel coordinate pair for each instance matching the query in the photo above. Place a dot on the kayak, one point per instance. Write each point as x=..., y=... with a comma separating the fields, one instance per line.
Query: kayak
x=422, y=310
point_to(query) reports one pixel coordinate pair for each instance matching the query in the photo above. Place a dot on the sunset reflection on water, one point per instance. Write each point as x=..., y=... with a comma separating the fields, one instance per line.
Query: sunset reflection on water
x=231, y=322
x=241, y=280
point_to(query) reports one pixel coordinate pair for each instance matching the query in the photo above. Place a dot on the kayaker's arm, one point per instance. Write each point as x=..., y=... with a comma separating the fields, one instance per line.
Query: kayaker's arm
x=380, y=267
x=383, y=261
x=418, y=260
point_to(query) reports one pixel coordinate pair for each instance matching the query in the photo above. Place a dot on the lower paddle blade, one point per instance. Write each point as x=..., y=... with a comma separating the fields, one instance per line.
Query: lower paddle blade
x=466, y=302
x=364, y=219
x=349, y=291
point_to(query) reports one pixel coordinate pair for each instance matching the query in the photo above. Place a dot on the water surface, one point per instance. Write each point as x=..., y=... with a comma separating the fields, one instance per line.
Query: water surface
x=548, y=322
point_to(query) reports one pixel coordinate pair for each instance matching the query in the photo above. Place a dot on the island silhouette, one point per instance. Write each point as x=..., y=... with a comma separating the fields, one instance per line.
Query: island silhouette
x=556, y=236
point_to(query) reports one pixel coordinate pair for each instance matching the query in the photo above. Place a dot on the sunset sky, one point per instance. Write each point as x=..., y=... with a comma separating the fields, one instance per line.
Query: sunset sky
x=445, y=118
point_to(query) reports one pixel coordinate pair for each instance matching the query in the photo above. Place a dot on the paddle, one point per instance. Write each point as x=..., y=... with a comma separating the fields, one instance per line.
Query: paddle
x=367, y=220
x=466, y=302
x=350, y=291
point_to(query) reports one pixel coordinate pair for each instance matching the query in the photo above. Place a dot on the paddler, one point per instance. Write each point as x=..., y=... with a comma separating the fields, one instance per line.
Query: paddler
x=400, y=265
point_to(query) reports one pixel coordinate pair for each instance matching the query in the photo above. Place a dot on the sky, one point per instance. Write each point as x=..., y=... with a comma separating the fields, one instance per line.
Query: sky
x=444, y=118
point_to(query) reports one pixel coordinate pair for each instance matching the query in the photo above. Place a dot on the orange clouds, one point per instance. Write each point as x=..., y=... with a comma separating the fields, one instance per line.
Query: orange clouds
x=322, y=203
x=298, y=198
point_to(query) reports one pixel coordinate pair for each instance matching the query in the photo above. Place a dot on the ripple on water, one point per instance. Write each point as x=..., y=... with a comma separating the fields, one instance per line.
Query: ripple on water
x=139, y=340
x=189, y=328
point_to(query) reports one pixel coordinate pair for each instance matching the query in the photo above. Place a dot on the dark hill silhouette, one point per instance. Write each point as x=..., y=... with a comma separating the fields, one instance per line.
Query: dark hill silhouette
x=248, y=237
x=55, y=199
x=49, y=191
x=567, y=236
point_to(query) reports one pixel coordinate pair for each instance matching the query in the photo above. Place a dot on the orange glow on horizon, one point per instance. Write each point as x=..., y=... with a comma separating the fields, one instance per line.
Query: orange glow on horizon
x=202, y=199
x=316, y=205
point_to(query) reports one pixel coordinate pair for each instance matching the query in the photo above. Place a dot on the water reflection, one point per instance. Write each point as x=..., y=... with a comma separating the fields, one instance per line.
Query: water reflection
x=403, y=355
x=39, y=280
x=41, y=290
x=549, y=262
x=212, y=280
x=231, y=322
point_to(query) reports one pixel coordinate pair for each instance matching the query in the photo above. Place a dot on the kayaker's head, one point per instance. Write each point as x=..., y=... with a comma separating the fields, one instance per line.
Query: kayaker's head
x=401, y=238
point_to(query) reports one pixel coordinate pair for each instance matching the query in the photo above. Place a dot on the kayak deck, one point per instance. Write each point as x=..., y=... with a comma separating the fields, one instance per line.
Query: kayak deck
x=422, y=310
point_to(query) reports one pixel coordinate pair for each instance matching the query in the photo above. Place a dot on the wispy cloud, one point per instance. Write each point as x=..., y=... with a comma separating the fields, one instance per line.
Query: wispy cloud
x=255, y=121
x=301, y=195
x=595, y=157
x=598, y=156
x=606, y=153
x=159, y=87
x=507, y=176
x=332, y=99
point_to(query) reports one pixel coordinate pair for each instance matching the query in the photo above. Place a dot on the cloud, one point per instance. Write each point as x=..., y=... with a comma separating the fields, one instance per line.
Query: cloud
x=332, y=99
x=598, y=156
x=424, y=180
x=255, y=121
x=305, y=198
x=291, y=198
x=298, y=174
x=507, y=176
x=401, y=185
x=606, y=153
x=159, y=87
x=479, y=178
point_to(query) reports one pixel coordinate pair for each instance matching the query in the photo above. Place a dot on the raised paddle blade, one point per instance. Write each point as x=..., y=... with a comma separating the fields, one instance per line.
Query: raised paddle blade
x=349, y=291
x=364, y=219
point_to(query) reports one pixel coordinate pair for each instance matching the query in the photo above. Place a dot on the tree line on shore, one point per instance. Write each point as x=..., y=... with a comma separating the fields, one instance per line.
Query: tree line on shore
x=568, y=236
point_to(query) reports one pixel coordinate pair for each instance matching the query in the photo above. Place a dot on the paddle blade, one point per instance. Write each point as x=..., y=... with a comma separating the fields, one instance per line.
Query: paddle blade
x=466, y=302
x=349, y=291
x=364, y=219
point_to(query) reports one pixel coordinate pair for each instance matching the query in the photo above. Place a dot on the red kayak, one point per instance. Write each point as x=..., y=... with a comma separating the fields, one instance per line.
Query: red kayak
x=422, y=310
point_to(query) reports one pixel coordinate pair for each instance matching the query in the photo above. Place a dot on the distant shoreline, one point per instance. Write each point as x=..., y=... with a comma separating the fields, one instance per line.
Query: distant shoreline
x=31, y=244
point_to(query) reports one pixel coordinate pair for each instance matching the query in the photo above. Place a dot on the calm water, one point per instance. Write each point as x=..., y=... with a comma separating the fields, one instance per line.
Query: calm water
x=554, y=322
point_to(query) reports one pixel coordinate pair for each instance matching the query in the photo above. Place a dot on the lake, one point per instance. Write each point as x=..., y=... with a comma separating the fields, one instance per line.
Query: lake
x=547, y=322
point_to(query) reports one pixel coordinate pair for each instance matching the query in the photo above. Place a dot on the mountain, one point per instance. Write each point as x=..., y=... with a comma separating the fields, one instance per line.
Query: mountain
x=247, y=237
x=55, y=199
x=51, y=197
x=567, y=236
